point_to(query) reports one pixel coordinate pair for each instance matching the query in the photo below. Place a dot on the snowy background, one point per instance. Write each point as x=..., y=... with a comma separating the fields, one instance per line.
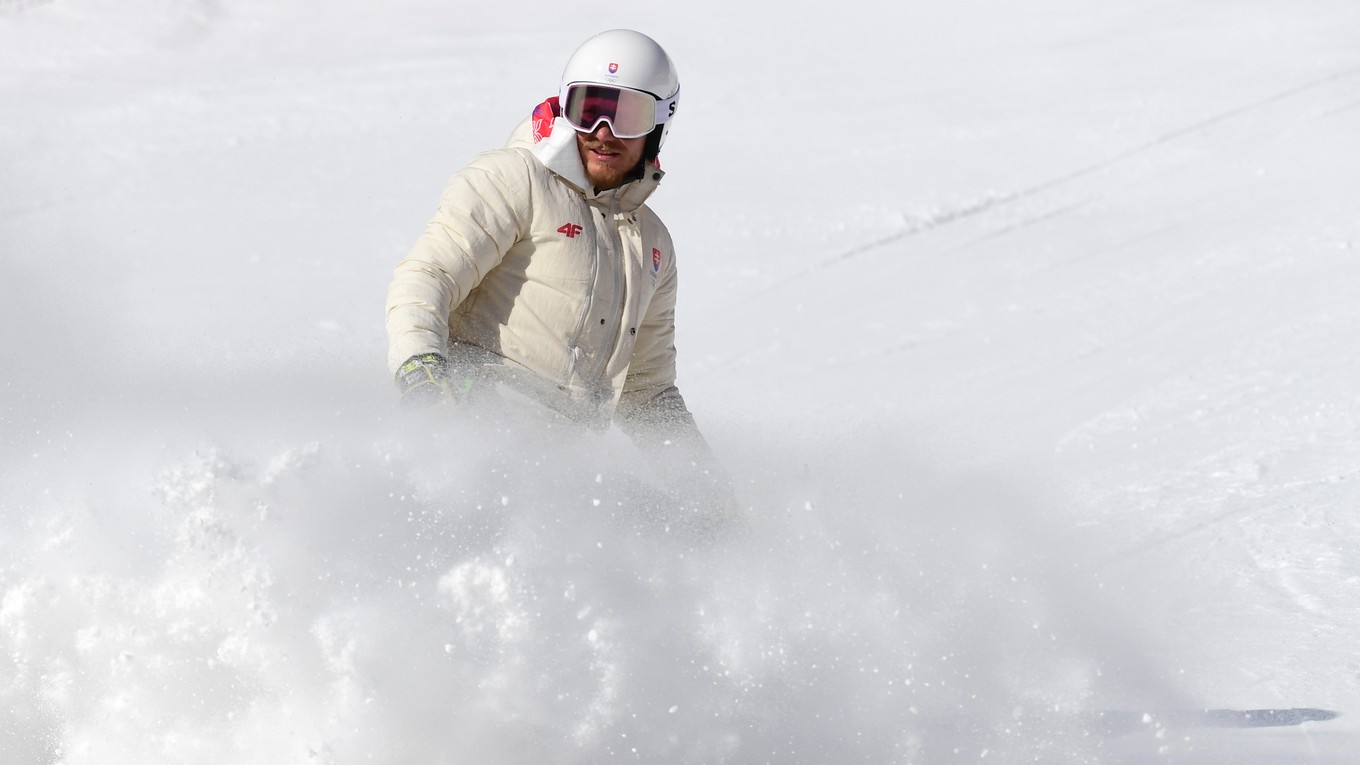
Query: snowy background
x=1027, y=331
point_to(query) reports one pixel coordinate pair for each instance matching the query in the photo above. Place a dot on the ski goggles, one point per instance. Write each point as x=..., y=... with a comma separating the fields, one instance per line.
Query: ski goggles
x=629, y=113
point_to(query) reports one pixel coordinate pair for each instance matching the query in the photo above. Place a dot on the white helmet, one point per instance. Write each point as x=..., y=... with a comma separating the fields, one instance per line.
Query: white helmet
x=623, y=58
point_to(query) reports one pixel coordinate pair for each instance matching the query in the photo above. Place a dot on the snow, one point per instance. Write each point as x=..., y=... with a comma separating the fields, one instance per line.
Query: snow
x=1026, y=331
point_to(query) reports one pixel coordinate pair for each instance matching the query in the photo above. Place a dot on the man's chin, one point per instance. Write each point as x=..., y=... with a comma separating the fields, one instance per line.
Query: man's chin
x=605, y=178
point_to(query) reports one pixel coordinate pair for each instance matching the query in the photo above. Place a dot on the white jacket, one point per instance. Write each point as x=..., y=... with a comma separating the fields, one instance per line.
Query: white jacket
x=525, y=268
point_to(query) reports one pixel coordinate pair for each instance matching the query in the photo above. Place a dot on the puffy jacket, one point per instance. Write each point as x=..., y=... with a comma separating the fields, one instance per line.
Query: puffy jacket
x=526, y=268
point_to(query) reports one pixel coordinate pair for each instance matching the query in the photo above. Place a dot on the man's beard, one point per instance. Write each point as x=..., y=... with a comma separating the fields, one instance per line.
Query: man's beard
x=610, y=178
x=607, y=176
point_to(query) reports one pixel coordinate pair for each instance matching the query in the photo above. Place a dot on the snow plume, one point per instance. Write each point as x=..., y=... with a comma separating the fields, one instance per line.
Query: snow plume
x=1119, y=237
x=331, y=588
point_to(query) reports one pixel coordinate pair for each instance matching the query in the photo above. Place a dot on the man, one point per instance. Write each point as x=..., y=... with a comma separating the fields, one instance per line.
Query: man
x=543, y=274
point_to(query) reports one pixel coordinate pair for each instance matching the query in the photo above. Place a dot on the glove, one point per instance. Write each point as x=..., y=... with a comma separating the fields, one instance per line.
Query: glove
x=708, y=504
x=699, y=498
x=425, y=380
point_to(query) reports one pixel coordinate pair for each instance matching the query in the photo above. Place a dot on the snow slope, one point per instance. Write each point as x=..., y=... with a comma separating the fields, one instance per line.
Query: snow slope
x=1026, y=333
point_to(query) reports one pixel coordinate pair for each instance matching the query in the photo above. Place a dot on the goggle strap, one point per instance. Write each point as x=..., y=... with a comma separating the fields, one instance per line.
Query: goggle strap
x=665, y=108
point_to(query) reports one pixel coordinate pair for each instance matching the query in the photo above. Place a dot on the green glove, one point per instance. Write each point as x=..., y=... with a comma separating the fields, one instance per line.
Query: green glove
x=425, y=380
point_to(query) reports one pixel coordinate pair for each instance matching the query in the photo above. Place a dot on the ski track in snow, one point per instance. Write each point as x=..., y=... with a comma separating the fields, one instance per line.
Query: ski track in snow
x=1007, y=458
x=992, y=202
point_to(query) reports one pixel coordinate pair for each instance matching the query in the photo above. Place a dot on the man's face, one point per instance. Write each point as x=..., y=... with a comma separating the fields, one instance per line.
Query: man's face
x=609, y=160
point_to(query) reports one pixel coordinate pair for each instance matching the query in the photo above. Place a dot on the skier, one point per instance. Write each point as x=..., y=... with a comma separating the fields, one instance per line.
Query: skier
x=543, y=273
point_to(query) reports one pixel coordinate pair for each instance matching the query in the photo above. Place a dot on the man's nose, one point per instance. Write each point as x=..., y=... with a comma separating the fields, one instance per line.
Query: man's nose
x=604, y=132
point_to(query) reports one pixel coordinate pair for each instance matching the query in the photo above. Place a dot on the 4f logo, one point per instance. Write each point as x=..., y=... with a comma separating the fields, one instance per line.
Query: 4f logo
x=656, y=260
x=570, y=229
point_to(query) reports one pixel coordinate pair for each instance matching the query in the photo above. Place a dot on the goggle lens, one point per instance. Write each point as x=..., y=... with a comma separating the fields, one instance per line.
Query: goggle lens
x=629, y=113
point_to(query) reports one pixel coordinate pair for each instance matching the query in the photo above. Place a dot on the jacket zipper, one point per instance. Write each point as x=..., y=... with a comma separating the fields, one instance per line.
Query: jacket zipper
x=579, y=334
x=619, y=258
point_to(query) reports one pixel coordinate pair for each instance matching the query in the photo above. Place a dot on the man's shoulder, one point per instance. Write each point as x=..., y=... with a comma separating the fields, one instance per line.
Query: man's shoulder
x=508, y=156
x=522, y=137
x=511, y=165
x=523, y=151
x=650, y=216
x=645, y=212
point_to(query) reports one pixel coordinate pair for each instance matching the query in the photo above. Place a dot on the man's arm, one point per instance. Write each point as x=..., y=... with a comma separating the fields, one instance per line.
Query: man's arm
x=483, y=211
x=651, y=410
x=653, y=414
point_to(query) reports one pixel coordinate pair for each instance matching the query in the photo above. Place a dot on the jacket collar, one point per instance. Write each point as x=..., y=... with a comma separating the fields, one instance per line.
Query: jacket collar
x=554, y=145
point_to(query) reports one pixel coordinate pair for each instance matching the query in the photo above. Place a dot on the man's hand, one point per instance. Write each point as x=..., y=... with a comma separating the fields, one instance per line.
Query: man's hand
x=709, y=508
x=425, y=381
